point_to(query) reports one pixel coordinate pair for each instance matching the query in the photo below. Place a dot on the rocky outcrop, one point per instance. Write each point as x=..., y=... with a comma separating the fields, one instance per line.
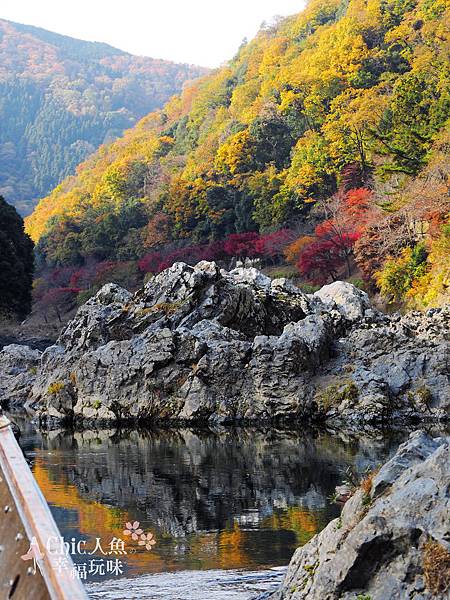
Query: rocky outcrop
x=397, y=367
x=199, y=343
x=18, y=368
x=35, y=343
x=392, y=539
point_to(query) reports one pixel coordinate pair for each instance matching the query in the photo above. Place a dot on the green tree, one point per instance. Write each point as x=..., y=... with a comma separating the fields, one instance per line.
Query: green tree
x=271, y=138
x=16, y=263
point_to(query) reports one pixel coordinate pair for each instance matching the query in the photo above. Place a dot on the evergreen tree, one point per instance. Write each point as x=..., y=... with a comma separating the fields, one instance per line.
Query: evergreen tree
x=16, y=263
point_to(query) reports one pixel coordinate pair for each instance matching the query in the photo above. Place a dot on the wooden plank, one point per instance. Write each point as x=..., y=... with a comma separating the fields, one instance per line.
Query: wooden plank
x=26, y=517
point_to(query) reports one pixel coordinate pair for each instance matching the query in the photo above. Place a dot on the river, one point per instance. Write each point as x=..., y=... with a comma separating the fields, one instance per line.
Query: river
x=226, y=507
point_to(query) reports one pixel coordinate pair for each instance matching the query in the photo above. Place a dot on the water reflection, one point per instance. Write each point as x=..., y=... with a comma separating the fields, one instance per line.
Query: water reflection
x=229, y=499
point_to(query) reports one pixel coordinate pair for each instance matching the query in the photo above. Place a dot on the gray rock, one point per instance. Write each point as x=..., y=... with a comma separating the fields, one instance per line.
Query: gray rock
x=200, y=343
x=417, y=449
x=18, y=367
x=376, y=549
x=251, y=277
x=350, y=301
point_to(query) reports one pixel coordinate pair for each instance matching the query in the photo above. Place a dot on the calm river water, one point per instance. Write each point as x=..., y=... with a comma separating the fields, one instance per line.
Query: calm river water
x=227, y=508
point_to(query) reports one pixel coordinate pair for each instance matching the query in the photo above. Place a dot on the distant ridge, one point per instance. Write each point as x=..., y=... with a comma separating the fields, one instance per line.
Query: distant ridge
x=61, y=98
x=67, y=42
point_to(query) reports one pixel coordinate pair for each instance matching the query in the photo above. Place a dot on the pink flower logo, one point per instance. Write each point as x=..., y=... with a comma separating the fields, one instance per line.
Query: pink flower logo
x=147, y=540
x=133, y=530
x=34, y=552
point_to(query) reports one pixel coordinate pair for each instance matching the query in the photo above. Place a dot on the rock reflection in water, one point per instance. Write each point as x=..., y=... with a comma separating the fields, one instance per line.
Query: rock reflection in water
x=227, y=499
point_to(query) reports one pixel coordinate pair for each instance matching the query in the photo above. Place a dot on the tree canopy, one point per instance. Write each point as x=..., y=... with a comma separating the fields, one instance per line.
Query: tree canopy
x=346, y=95
x=16, y=263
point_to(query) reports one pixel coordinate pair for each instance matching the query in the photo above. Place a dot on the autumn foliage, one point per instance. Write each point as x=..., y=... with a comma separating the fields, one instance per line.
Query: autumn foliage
x=235, y=246
x=330, y=124
x=322, y=260
x=329, y=253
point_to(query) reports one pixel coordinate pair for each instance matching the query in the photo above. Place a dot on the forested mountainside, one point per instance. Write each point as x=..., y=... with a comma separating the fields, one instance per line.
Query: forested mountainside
x=16, y=264
x=61, y=98
x=324, y=141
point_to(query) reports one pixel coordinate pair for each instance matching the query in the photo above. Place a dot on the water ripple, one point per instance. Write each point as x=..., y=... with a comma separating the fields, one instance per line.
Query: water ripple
x=191, y=585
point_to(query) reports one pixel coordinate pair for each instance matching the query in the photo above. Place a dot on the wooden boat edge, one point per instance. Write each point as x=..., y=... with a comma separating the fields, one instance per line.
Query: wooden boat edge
x=56, y=580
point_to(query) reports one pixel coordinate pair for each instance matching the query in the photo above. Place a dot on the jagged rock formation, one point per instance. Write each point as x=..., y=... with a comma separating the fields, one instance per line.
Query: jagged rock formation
x=18, y=367
x=392, y=539
x=198, y=343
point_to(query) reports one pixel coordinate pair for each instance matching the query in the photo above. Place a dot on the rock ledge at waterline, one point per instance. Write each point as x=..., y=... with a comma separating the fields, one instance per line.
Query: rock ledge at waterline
x=392, y=540
x=202, y=344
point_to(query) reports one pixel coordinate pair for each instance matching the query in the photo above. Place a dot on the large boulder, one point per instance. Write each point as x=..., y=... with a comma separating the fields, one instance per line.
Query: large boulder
x=392, y=540
x=350, y=301
x=194, y=343
x=200, y=343
x=399, y=366
x=18, y=368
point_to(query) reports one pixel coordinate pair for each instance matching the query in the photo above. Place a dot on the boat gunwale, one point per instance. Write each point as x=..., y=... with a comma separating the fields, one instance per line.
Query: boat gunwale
x=36, y=518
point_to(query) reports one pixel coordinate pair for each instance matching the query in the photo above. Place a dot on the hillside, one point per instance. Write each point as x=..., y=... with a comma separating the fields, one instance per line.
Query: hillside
x=324, y=140
x=61, y=98
x=16, y=264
